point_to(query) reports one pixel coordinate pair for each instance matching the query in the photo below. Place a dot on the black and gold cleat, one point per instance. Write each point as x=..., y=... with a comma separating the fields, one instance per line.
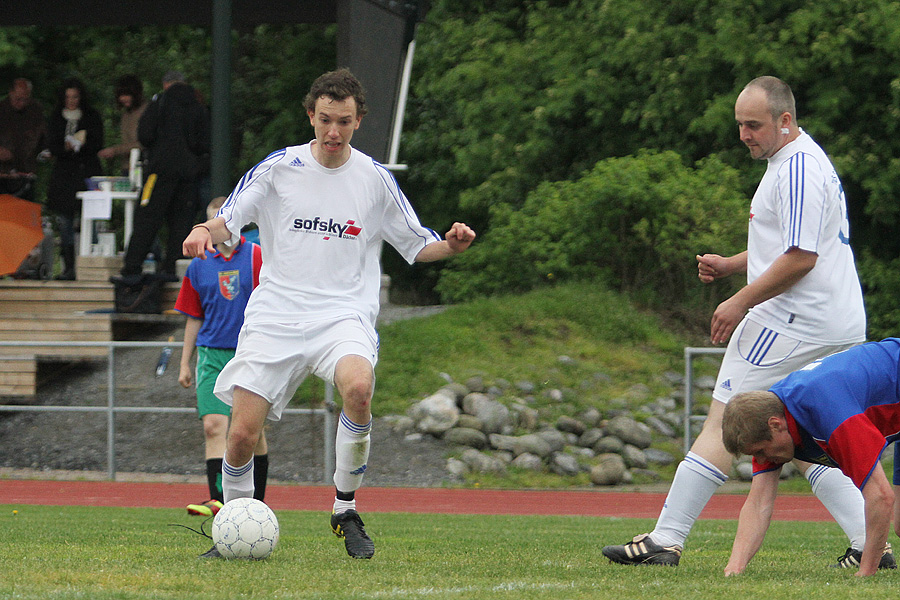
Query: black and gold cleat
x=851, y=558
x=211, y=553
x=349, y=525
x=643, y=551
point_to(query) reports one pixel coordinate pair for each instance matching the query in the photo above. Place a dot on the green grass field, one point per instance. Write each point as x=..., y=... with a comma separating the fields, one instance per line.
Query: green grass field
x=126, y=553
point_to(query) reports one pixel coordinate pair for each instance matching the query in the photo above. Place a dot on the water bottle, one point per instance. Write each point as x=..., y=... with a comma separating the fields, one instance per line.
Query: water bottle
x=164, y=358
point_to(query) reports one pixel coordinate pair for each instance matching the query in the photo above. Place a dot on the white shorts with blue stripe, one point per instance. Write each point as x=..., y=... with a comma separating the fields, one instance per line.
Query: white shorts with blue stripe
x=757, y=357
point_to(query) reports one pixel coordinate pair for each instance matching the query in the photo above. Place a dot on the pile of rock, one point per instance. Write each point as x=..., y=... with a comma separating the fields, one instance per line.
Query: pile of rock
x=496, y=427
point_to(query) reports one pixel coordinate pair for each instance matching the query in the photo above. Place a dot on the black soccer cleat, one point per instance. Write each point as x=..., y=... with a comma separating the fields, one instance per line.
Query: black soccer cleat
x=349, y=525
x=211, y=553
x=643, y=551
x=851, y=558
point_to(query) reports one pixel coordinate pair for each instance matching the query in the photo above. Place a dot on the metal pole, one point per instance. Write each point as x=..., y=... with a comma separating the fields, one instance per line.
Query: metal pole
x=328, y=468
x=221, y=98
x=401, y=103
x=111, y=414
x=688, y=396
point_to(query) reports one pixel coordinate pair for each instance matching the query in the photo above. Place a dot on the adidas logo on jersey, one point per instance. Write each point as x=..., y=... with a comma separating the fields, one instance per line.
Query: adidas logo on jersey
x=726, y=385
x=296, y=163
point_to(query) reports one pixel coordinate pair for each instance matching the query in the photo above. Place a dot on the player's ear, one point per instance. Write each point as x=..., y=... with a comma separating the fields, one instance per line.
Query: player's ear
x=776, y=424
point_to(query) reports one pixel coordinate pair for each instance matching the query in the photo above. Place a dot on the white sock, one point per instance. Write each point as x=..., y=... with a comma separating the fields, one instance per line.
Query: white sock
x=696, y=480
x=343, y=506
x=237, y=482
x=842, y=499
x=351, y=450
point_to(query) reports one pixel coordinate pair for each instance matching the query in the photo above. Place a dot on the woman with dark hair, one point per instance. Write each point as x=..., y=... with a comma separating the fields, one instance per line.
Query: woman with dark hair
x=75, y=136
x=129, y=96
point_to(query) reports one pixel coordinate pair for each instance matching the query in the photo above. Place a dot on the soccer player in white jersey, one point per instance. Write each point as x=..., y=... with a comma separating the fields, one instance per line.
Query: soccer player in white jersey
x=802, y=301
x=323, y=210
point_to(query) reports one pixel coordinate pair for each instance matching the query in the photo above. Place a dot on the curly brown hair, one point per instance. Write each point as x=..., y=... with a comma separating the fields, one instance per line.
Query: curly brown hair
x=337, y=85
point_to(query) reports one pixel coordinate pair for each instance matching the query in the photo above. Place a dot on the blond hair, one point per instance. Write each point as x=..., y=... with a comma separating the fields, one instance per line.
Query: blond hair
x=746, y=420
x=214, y=205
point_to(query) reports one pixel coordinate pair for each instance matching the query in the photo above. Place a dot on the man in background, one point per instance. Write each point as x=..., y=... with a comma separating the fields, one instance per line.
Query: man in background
x=175, y=132
x=23, y=132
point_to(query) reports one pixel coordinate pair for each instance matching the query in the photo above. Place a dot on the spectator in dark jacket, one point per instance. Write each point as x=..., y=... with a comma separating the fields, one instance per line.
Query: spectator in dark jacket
x=23, y=134
x=175, y=132
x=74, y=135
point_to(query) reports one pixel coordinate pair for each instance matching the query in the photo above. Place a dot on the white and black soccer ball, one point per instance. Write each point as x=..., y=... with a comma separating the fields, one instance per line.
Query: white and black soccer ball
x=245, y=528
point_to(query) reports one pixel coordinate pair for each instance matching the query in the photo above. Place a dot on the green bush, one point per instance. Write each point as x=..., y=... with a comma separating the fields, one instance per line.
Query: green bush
x=882, y=288
x=635, y=223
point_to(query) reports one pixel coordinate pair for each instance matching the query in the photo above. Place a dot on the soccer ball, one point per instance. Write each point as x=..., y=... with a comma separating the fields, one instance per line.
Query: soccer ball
x=245, y=528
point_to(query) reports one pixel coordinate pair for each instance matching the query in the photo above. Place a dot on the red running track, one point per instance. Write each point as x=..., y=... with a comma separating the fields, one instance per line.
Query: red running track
x=414, y=500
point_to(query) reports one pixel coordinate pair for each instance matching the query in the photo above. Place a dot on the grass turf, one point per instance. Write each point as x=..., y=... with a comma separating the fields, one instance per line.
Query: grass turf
x=49, y=552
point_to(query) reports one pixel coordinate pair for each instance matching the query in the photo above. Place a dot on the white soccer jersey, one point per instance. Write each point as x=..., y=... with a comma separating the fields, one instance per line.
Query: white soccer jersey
x=800, y=203
x=321, y=231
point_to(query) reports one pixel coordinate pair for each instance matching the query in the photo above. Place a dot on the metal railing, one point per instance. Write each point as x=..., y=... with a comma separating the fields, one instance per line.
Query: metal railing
x=111, y=409
x=689, y=354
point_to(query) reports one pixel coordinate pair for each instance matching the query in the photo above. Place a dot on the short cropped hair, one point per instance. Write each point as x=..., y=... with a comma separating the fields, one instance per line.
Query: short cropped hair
x=746, y=420
x=214, y=205
x=779, y=94
x=337, y=85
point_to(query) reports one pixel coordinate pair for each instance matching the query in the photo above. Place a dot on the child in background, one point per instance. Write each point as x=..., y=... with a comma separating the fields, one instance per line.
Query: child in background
x=213, y=296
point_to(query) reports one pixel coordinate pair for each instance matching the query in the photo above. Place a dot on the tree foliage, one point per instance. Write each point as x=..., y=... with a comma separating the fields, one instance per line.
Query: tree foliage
x=540, y=91
x=519, y=108
x=635, y=223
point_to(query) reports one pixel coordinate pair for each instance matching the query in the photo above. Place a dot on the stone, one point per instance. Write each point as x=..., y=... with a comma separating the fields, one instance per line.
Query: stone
x=673, y=378
x=564, y=464
x=456, y=467
x=660, y=426
x=554, y=437
x=530, y=443
x=609, y=470
x=570, y=425
x=483, y=463
x=528, y=461
x=401, y=424
x=464, y=436
x=475, y=384
x=526, y=387
x=634, y=457
x=656, y=456
x=629, y=431
x=706, y=382
x=744, y=471
x=609, y=444
x=470, y=421
x=590, y=437
x=493, y=414
x=645, y=473
x=554, y=394
x=525, y=417
x=435, y=414
x=638, y=391
x=457, y=390
x=590, y=417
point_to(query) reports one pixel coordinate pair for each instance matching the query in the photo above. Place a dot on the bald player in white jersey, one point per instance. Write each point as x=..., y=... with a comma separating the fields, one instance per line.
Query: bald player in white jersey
x=802, y=301
x=323, y=210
